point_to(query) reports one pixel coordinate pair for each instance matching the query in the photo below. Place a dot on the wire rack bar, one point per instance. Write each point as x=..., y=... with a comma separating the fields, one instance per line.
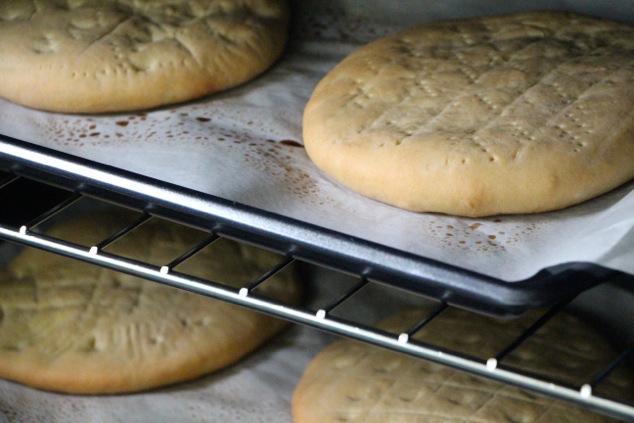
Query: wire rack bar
x=278, y=267
x=122, y=232
x=188, y=254
x=6, y=179
x=423, y=322
x=603, y=374
x=53, y=211
x=530, y=330
x=353, y=330
x=337, y=302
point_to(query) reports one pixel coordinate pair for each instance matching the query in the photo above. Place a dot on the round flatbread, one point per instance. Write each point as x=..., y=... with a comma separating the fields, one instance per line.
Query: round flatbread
x=354, y=382
x=518, y=113
x=120, y=55
x=74, y=327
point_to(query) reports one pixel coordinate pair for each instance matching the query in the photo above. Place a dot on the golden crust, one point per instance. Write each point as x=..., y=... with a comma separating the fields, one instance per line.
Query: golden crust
x=354, y=382
x=111, y=56
x=73, y=327
x=510, y=114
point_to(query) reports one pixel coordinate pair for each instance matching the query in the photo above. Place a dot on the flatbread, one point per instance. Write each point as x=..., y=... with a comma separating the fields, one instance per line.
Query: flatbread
x=517, y=113
x=120, y=55
x=74, y=327
x=353, y=382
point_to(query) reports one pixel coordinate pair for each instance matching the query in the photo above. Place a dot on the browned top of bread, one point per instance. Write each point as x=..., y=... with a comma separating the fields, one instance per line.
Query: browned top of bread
x=507, y=114
x=75, y=327
x=116, y=55
x=354, y=382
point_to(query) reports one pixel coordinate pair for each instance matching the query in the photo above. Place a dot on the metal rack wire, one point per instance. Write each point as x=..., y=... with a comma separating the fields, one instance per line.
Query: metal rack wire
x=21, y=223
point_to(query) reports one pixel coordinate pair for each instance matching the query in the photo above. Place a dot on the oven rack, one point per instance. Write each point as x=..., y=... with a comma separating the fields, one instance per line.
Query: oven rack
x=22, y=216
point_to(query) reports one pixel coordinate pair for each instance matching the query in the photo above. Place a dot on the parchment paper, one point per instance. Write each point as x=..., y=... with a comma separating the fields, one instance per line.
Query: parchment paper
x=241, y=145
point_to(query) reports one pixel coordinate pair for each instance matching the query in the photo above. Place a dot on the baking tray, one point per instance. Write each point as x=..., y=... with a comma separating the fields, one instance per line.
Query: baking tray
x=448, y=283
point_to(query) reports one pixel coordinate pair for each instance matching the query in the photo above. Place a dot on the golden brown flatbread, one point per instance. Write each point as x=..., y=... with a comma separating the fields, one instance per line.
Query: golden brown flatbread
x=354, y=382
x=74, y=327
x=120, y=55
x=518, y=113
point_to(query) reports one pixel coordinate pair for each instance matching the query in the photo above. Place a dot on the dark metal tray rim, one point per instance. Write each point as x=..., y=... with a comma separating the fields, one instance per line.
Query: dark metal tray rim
x=446, y=282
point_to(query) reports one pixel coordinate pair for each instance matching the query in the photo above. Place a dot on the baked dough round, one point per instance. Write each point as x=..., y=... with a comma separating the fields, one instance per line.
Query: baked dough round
x=517, y=113
x=74, y=327
x=353, y=382
x=120, y=55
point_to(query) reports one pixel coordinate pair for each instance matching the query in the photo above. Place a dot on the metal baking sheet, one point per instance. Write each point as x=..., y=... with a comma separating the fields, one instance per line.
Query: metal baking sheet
x=321, y=246
x=236, y=159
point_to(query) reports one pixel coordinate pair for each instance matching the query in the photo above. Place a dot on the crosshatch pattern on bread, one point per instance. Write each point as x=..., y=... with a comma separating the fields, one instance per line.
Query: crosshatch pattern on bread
x=75, y=327
x=518, y=113
x=120, y=55
x=354, y=383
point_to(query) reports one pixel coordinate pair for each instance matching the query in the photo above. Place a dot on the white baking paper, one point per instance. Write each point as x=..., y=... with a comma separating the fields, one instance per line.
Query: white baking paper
x=239, y=146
